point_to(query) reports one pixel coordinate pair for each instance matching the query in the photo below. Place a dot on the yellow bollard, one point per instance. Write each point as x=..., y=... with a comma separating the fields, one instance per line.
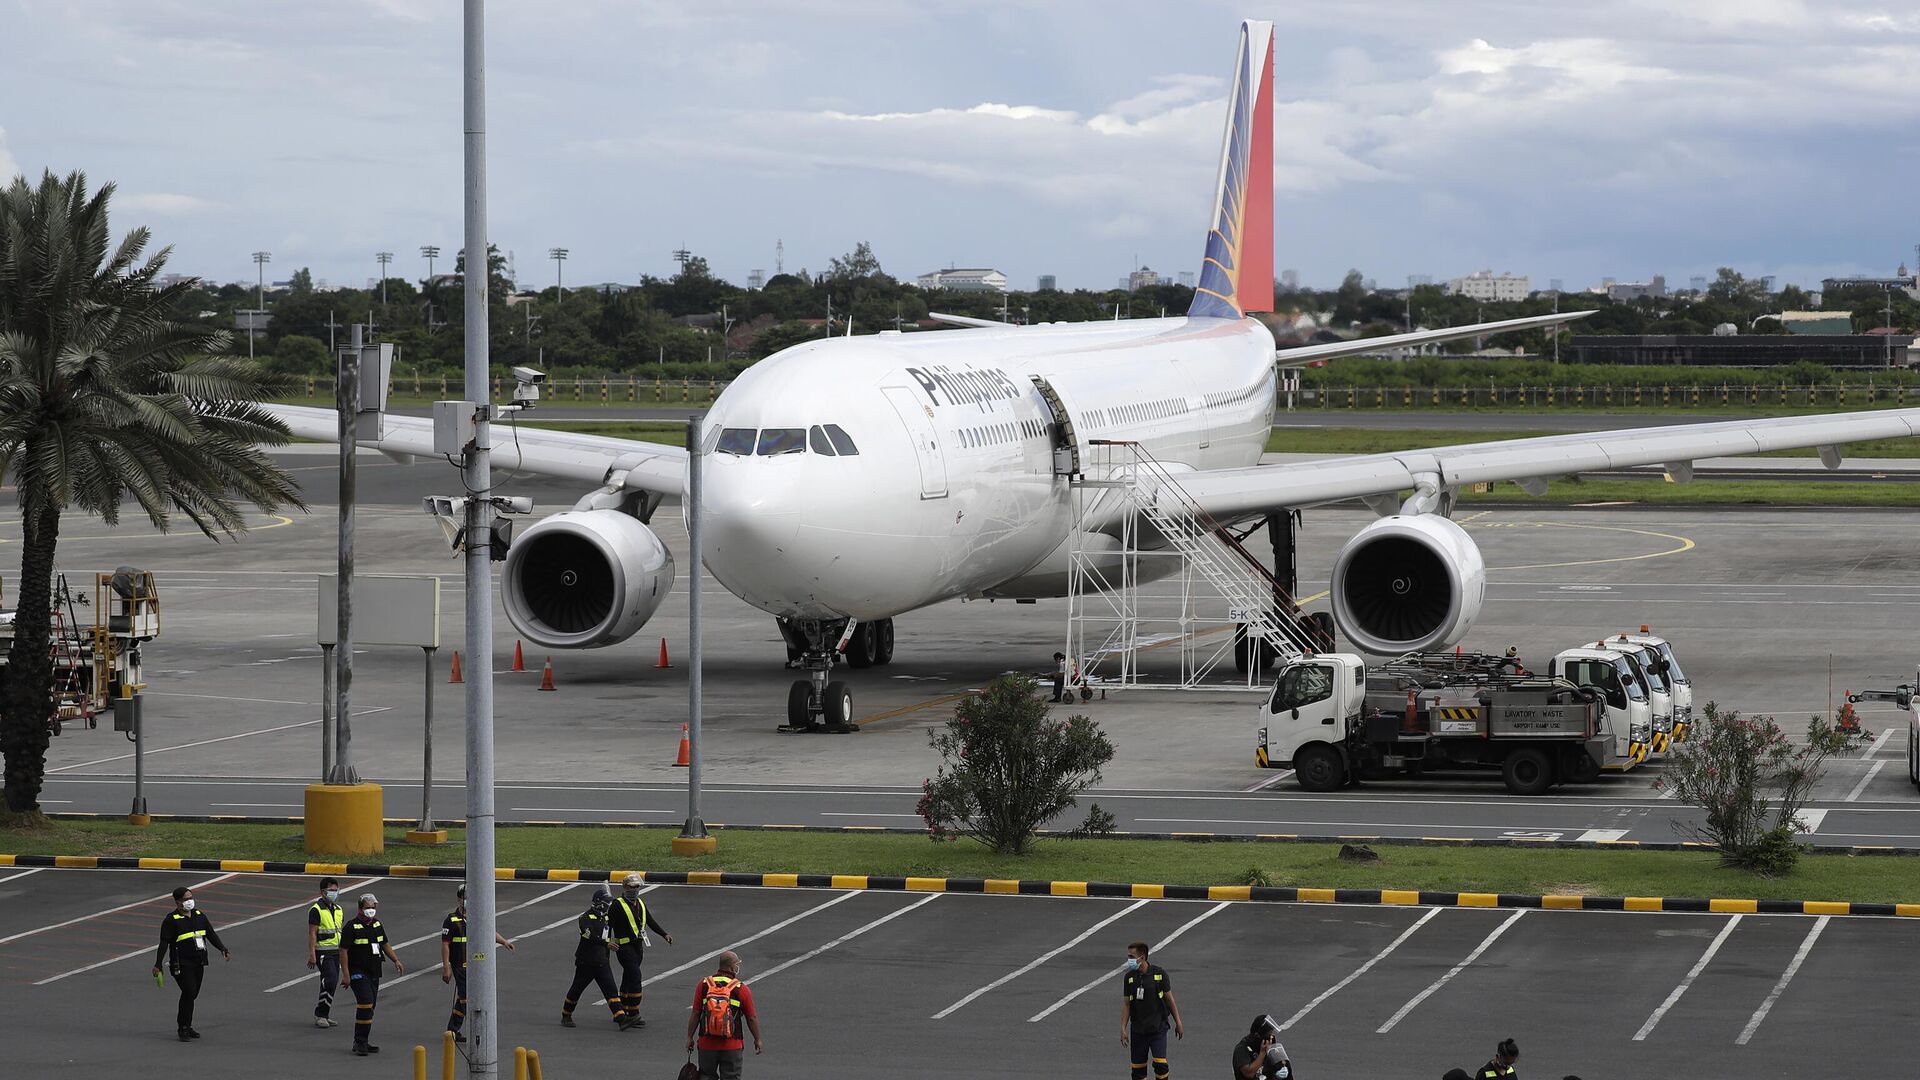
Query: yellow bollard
x=446, y=1055
x=533, y=1065
x=519, y=1063
x=419, y=1063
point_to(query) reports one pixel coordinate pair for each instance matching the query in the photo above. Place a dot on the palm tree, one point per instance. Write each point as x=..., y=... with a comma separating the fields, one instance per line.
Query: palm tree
x=105, y=396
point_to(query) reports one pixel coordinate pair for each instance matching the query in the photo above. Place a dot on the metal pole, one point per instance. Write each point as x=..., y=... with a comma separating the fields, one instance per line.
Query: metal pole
x=139, y=761
x=326, y=712
x=347, y=398
x=695, y=827
x=483, y=1052
x=426, y=765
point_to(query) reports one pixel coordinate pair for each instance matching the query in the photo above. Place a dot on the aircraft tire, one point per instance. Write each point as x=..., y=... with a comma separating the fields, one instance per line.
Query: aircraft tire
x=839, y=708
x=797, y=702
x=883, y=641
x=861, y=647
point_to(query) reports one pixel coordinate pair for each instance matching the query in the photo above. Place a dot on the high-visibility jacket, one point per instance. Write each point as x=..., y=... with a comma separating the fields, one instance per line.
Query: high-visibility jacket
x=329, y=916
x=627, y=921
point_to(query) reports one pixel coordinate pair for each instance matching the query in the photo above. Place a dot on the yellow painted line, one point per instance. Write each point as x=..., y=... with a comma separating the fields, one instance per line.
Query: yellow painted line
x=1315, y=896
x=703, y=877
x=780, y=881
x=1827, y=907
x=891, y=714
x=1068, y=888
x=1478, y=899
x=77, y=862
x=279, y=521
x=1734, y=907
x=926, y=884
x=1002, y=886
x=1684, y=544
x=849, y=881
x=1644, y=903
x=1229, y=892
x=1562, y=903
x=1277, y=836
x=1149, y=892
x=1447, y=839
x=1399, y=896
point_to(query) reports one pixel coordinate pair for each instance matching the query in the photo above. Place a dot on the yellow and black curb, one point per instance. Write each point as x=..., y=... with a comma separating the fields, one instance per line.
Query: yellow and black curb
x=1258, y=894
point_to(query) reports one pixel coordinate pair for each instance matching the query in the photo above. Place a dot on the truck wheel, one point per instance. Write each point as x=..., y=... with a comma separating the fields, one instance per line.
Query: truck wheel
x=1528, y=771
x=1580, y=770
x=1319, y=768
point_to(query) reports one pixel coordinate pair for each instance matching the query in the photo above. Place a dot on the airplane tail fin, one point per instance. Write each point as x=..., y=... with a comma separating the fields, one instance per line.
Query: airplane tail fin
x=1237, y=274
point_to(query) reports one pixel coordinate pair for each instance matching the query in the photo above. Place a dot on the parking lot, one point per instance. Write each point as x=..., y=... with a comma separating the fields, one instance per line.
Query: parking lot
x=871, y=984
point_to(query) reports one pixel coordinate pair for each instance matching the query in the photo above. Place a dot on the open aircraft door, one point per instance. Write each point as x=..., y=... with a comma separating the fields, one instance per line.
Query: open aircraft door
x=1066, y=441
x=918, y=419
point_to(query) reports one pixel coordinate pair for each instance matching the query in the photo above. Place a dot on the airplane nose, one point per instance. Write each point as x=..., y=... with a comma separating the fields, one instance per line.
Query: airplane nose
x=747, y=526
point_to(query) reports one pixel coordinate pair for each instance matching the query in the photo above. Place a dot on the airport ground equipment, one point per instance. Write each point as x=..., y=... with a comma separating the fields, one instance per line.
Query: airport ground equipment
x=96, y=659
x=1661, y=699
x=1334, y=721
x=1903, y=697
x=1668, y=665
x=1616, y=677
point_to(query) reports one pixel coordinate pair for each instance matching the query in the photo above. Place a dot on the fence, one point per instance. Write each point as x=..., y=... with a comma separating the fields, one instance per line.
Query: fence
x=1782, y=395
x=609, y=389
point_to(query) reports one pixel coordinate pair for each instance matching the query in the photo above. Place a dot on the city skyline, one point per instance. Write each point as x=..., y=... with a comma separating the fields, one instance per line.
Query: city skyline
x=1035, y=140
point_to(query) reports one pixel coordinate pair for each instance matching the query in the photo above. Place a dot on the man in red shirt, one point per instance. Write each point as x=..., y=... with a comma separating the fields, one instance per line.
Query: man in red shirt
x=721, y=1017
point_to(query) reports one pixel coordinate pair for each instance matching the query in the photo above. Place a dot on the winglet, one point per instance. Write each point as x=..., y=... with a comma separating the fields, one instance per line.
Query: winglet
x=1237, y=274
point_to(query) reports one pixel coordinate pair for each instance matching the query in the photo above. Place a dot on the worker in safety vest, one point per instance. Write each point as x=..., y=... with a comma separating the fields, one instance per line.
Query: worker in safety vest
x=366, y=944
x=631, y=921
x=324, y=920
x=591, y=961
x=453, y=960
x=185, y=935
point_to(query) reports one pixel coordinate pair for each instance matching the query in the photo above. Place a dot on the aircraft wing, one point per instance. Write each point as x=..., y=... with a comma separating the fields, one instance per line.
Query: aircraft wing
x=1301, y=355
x=567, y=455
x=1228, y=494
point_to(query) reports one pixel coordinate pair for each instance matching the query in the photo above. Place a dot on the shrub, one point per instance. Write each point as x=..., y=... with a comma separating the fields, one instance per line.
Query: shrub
x=1007, y=768
x=1751, y=781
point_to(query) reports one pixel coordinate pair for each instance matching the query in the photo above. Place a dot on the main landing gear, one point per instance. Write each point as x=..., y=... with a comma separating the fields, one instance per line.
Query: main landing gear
x=819, y=702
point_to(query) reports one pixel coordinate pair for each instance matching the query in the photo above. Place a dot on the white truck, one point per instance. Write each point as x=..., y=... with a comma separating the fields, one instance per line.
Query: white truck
x=1903, y=697
x=1333, y=722
x=1622, y=691
x=1669, y=667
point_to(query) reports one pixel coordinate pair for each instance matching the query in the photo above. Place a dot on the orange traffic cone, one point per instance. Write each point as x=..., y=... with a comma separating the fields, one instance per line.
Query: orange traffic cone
x=685, y=751
x=456, y=670
x=546, y=676
x=519, y=662
x=663, y=655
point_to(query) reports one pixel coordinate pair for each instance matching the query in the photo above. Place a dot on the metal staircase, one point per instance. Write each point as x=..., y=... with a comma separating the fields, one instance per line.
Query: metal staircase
x=1132, y=512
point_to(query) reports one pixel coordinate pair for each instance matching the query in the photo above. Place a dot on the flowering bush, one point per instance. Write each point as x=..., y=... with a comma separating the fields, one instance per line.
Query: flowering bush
x=1007, y=768
x=1751, y=781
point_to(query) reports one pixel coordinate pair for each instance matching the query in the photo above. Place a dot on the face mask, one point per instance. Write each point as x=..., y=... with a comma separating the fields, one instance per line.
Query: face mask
x=368, y=913
x=1133, y=964
x=187, y=904
x=333, y=895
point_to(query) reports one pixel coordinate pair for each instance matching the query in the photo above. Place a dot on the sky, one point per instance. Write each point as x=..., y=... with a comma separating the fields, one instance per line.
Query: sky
x=1579, y=141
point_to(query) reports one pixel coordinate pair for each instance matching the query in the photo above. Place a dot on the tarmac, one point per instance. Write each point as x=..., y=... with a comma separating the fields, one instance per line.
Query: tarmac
x=879, y=984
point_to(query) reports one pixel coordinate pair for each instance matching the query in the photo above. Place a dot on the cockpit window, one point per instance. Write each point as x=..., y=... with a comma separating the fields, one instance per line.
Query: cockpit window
x=817, y=439
x=776, y=441
x=709, y=439
x=842, y=442
x=737, y=441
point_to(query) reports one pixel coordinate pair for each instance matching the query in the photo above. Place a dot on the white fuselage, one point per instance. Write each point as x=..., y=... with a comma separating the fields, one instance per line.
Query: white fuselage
x=953, y=491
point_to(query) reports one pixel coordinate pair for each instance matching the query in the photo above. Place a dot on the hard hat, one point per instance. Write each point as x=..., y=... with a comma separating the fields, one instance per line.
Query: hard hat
x=632, y=881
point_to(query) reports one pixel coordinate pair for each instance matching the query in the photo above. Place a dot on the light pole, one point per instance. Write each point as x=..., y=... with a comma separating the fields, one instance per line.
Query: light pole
x=559, y=257
x=260, y=261
x=531, y=319
x=383, y=258
x=429, y=252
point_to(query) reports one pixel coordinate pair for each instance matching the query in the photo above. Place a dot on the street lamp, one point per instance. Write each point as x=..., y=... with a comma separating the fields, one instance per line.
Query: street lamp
x=260, y=261
x=429, y=252
x=531, y=319
x=383, y=258
x=559, y=257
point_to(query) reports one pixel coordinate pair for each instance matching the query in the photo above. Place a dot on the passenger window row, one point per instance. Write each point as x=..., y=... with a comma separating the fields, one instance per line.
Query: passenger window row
x=827, y=440
x=995, y=434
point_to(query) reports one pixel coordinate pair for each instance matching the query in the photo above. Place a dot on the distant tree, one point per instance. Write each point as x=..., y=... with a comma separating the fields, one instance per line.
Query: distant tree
x=1794, y=298
x=786, y=335
x=297, y=354
x=1348, y=300
x=106, y=396
x=499, y=285
x=858, y=265
x=301, y=283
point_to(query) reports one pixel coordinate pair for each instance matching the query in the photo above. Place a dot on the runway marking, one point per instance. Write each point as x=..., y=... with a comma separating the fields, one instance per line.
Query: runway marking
x=1692, y=974
x=585, y=810
x=1786, y=977
x=432, y=966
x=1111, y=975
x=1601, y=836
x=1810, y=820
x=83, y=918
x=848, y=936
x=833, y=813
x=1043, y=958
x=1685, y=545
x=1448, y=977
x=1270, y=781
x=191, y=745
x=278, y=520
x=1361, y=970
x=892, y=714
x=304, y=902
x=1865, y=780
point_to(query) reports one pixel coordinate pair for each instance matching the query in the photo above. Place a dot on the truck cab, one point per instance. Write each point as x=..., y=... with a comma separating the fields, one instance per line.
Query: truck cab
x=1659, y=691
x=1316, y=700
x=1629, y=706
x=1677, y=681
x=1903, y=697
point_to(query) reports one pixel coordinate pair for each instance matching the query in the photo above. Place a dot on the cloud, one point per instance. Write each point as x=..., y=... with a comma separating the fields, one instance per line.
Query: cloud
x=164, y=203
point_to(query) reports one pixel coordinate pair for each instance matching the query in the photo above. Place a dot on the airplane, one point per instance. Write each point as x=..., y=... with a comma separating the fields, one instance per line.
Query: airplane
x=851, y=480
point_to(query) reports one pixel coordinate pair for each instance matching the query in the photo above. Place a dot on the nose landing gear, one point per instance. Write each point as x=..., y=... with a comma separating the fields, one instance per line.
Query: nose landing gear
x=820, y=702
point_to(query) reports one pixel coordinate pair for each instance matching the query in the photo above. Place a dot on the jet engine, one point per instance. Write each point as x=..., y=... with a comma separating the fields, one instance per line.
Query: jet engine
x=585, y=578
x=1408, y=583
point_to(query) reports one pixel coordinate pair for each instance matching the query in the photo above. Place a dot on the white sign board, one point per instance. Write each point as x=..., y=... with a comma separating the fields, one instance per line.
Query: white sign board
x=388, y=609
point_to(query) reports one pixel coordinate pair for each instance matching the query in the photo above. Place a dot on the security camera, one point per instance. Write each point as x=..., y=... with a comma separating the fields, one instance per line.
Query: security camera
x=526, y=389
x=530, y=376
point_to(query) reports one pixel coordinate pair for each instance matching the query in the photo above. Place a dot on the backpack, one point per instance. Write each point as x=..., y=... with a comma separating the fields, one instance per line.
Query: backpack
x=719, y=1009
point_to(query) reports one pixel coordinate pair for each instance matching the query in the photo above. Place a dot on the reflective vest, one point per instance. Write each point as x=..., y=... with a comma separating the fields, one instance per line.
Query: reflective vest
x=329, y=928
x=630, y=933
x=459, y=922
x=189, y=935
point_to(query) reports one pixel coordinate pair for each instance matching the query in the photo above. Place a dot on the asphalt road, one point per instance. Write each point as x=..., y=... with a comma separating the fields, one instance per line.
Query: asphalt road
x=890, y=984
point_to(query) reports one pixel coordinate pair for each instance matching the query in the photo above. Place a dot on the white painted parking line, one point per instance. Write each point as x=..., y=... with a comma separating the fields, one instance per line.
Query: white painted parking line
x=1115, y=973
x=1270, y=781
x=1692, y=974
x=750, y=939
x=432, y=966
x=187, y=746
x=1601, y=836
x=1041, y=959
x=21, y=874
x=1786, y=977
x=1881, y=742
x=1865, y=780
x=1361, y=970
x=568, y=921
x=848, y=936
x=1810, y=820
x=1448, y=977
x=304, y=902
x=109, y=911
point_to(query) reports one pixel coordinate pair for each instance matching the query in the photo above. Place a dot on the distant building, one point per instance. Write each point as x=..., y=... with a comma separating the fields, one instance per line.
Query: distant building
x=1289, y=281
x=1639, y=290
x=1144, y=278
x=1816, y=322
x=1484, y=285
x=1906, y=284
x=1744, y=350
x=1698, y=283
x=1186, y=279
x=1047, y=283
x=970, y=279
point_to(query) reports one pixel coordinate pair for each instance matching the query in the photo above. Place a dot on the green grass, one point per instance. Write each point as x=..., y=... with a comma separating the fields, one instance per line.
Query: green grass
x=1360, y=440
x=1592, y=872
